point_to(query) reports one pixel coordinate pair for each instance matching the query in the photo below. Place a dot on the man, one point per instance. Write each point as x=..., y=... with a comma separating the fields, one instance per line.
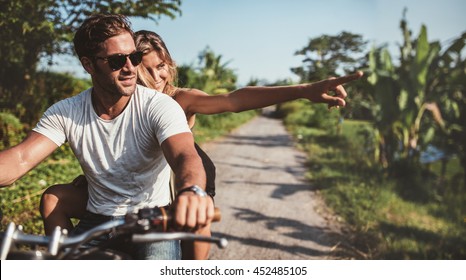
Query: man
x=123, y=136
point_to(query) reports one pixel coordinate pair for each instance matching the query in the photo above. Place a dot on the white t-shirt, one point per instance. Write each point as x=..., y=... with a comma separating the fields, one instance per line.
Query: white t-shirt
x=121, y=158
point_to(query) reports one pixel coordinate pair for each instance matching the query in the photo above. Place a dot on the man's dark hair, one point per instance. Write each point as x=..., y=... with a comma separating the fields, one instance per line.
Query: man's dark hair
x=96, y=29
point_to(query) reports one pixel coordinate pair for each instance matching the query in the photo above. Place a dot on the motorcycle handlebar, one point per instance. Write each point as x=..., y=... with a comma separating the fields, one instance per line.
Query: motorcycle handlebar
x=146, y=220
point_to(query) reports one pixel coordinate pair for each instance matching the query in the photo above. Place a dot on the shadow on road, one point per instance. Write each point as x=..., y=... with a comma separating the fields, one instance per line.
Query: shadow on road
x=269, y=141
x=281, y=190
x=293, y=229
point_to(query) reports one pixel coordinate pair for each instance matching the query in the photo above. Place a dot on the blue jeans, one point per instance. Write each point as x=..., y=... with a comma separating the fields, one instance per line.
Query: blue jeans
x=165, y=250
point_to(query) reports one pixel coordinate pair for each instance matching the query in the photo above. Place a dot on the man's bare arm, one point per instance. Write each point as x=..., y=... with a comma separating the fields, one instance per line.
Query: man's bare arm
x=191, y=210
x=184, y=160
x=18, y=160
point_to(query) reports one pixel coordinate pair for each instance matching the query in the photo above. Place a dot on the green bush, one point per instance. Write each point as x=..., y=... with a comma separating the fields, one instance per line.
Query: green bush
x=11, y=130
x=47, y=88
x=209, y=127
x=303, y=113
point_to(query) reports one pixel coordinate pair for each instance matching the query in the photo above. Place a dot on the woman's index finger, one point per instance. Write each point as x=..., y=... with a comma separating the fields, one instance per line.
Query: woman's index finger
x=346, y=79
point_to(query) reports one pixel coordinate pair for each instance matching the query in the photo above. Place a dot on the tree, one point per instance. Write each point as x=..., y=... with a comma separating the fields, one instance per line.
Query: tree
x=32, y=29
x=326, y=55
x=329, y=56
x=210, y=74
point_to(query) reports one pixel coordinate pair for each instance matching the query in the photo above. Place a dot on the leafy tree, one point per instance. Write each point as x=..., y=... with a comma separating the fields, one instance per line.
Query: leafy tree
x=210, y=74
x=324, y=56
x=32, y=29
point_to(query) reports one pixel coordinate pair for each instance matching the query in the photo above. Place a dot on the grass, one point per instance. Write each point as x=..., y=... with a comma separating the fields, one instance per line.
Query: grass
x=407, y=213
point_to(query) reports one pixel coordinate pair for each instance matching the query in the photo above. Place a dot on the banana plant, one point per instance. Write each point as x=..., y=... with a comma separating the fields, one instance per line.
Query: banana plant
x=414, y=97
x=401, y=95
x=385, y=108
x=449, y=86
x=214, y=75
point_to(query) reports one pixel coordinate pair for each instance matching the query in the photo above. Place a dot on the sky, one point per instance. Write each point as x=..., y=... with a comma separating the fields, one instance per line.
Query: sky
x=258, y=38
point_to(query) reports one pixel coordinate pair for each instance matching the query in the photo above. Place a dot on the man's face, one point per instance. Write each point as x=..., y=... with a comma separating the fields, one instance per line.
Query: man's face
x=121, y=82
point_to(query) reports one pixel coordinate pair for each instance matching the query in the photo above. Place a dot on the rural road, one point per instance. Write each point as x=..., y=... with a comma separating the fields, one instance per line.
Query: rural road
x=269, y=211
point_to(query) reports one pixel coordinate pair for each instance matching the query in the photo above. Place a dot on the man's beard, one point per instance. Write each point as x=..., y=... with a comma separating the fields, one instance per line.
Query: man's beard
x=126, y=91
x=114, y=87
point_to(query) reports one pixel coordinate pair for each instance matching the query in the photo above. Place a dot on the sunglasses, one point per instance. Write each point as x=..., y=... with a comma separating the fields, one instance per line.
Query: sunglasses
x=117, y=61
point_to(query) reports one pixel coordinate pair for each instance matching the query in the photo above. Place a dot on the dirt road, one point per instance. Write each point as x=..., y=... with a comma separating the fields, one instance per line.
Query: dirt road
x=268, y=210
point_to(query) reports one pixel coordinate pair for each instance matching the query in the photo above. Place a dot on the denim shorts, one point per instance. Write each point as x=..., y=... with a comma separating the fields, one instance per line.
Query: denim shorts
x=164, y=250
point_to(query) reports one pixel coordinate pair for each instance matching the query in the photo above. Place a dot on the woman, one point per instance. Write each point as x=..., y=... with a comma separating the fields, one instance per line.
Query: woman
x=59, y=203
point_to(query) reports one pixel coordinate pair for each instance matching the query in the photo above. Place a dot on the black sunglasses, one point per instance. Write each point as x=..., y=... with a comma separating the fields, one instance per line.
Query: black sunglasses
x=117, y=61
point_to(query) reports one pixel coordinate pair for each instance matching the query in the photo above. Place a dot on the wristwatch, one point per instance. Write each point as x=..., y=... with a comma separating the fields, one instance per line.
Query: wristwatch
x=195, y=189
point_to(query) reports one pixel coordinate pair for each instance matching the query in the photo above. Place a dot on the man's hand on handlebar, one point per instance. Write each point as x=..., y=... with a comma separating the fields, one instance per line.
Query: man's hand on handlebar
x=193, y=209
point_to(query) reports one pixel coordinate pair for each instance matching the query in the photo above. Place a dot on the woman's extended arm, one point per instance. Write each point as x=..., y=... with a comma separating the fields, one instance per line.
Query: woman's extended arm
x=195, y=101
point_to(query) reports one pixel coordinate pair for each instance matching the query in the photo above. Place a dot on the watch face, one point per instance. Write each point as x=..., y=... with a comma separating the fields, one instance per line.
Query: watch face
x=196, y=189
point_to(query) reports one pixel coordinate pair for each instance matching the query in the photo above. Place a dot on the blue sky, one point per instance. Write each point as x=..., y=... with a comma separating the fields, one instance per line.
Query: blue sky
x=259, y=37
